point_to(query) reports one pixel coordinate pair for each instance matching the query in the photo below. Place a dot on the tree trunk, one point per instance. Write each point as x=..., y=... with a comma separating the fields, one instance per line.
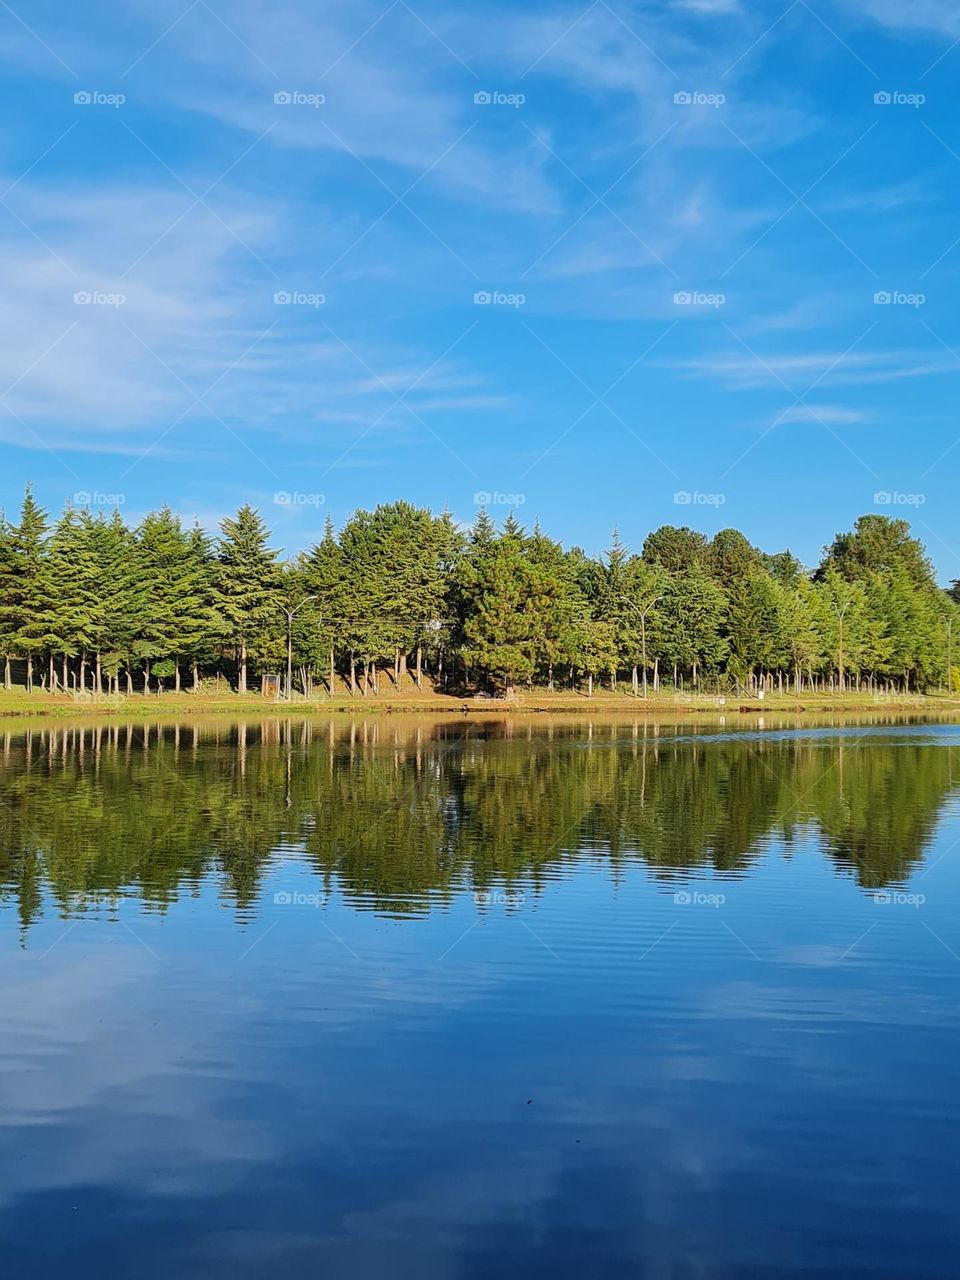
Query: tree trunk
x=83, y=672
x=30, y=675
x=550, y=676
x=635, y=680
x=97, y=675
x=353, y=675
x=176, y=677
x=243, y=667
x=7, y=673
x=419, y=666
x=196, y=676
x=590, y=684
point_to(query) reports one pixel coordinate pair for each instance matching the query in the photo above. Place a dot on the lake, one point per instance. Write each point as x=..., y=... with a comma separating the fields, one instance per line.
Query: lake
x=480, y=997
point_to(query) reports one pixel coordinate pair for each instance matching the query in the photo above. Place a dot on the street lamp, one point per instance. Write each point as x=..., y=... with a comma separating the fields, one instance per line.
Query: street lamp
x=290, y=616
x=434, y=626
x=643, y=629
x=840, y=613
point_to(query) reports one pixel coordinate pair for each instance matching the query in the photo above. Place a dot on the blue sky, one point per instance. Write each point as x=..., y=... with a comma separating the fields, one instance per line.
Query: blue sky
x=682, y=214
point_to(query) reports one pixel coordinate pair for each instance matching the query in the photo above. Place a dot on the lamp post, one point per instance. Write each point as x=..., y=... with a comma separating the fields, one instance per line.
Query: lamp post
x=949, y=657
x=434, y=626
x=840, y=613
x=290, y=616
x=643, y=630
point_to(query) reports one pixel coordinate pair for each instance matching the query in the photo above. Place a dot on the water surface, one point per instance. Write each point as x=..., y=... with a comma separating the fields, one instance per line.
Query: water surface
x=479, y=998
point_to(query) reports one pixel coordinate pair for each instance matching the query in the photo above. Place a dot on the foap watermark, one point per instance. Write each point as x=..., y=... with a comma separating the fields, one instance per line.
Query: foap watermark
x=498, y=98
x=94, y=498
x=895, y=898
x=697, y=98
x=496, y=298
x=894, y=498
x=96, y=98
x=295, y=898
x=897, y=298
x=287, y=498
x=297, y=98
x=694, y=898
x=697, y=298
x=297, y=298
x=686, y=498
x=89, y=698
x=499, y=897
x=96, y=298
x=494, y=498
x=896, y=98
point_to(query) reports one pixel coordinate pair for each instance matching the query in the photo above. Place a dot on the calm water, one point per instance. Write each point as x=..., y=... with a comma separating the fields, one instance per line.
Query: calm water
x=468, y=999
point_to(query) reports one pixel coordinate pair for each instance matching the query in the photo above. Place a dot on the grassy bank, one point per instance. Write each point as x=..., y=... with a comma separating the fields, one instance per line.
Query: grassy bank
x=19, y=703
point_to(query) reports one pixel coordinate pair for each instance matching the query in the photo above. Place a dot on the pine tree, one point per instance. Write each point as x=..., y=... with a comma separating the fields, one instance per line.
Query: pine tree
x=499, y=626
x=246, y=586
x=25, y=585
x=7, y=631
x=175, y=565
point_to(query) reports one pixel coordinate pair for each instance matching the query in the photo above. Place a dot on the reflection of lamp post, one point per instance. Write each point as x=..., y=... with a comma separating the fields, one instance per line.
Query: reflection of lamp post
x=290, y=615
x=643, y=630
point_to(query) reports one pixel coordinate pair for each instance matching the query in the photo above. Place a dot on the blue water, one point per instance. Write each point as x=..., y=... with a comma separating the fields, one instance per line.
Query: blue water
x=479, y=1000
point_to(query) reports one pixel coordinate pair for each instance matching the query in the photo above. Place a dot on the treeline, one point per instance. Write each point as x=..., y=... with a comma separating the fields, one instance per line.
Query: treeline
x=399, y=594
x=79, y=805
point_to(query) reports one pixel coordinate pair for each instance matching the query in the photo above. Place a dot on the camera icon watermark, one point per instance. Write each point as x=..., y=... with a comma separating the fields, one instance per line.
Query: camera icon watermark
x=895, y=98
x=95, y=498
x=496, y=298
x=698, y=298
x=697, y=98
x=96, y=298
x=497, y=98
x=694, y=498
x=296, y=298
x=294, y=498
x=494, y=498
x=896, y=898
x=694, y=898
x=297, y=98
x=294, y=898
x=96, y=98
x=896, y=298
x=499, y=897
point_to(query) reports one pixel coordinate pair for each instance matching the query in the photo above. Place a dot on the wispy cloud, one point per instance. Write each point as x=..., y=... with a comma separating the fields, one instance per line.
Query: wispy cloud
x=832, y=368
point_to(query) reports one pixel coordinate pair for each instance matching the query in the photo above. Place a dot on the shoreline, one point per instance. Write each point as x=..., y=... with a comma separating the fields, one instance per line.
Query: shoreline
x=43, y=706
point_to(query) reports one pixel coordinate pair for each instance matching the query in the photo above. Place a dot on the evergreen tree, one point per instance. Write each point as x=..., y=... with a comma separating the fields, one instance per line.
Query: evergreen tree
x=24, y=585
x=495, y=586
x=246, y=587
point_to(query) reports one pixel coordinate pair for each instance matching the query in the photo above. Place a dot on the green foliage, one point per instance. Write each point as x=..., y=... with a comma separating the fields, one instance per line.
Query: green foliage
x=98, y=602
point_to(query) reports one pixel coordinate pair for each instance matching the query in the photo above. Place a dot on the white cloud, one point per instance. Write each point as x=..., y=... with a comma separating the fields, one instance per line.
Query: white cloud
x=941, y=16
x=851, y=368
x=835, y=414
